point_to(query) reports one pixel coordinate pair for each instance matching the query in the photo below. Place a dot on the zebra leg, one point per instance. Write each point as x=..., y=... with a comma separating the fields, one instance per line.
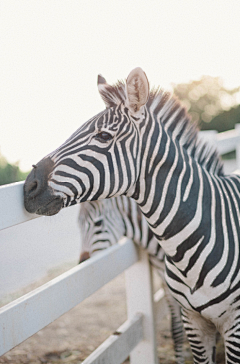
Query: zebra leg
x=176, y=324
x=201, y=335
x=232, y=342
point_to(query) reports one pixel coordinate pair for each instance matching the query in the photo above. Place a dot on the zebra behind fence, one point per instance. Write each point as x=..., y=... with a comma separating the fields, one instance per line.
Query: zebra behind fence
x=145, y=147
x=103, y=223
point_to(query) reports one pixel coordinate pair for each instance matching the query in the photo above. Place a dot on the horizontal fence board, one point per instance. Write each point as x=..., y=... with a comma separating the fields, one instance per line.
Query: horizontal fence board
x=27, y=315
x=227, y=141
x=11, y=203
x=118, y=346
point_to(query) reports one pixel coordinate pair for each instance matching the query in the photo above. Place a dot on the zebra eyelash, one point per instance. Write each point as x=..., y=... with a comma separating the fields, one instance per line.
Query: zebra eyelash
x=103, y=136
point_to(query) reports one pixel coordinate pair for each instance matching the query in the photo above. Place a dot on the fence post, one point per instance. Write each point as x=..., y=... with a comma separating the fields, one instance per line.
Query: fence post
x=237, y=128
x=140, y=299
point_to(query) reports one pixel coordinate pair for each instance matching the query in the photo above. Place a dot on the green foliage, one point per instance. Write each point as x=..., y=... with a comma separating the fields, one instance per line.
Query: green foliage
x=10, y=173
x=209, y=103
x=226, y=120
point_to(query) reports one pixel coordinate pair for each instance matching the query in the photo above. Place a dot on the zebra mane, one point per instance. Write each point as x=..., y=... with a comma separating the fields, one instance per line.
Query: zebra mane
x=173, y=115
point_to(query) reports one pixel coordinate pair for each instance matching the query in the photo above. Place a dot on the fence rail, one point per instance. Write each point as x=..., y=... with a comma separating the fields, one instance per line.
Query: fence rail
x=25, y=316
x=11, y=204
x=225, y=142
x=30, y=313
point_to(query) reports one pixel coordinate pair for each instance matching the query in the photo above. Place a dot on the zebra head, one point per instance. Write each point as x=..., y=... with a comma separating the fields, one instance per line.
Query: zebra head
x=101, y=226
x=101, y=159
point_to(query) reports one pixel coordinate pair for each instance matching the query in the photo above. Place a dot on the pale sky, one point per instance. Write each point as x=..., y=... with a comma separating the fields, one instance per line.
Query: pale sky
x=51, y=52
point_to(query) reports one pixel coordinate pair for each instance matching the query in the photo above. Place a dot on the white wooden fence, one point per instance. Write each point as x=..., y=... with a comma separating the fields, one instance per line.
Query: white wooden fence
x=225, y=142
x=30, y=313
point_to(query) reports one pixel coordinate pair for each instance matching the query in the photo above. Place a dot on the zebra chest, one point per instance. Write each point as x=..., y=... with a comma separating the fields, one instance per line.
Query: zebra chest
x=214, y=303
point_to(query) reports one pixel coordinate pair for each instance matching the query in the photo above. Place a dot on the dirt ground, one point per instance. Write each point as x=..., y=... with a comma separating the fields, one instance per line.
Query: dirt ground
x=72, y=337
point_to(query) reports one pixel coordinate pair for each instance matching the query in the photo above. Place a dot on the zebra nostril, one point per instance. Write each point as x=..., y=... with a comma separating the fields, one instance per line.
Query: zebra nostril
x=33, y=188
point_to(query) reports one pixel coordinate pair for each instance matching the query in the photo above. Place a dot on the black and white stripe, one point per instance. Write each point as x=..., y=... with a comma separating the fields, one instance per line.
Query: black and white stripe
x=150, y=151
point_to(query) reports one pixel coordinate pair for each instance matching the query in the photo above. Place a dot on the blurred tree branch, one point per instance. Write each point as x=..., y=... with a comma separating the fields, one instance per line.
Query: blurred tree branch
x=207, y=99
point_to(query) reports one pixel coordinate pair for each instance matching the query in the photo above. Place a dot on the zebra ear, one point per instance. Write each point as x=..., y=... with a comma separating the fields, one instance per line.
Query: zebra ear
x=101, y=81
x=137, y=88
x=104, y=89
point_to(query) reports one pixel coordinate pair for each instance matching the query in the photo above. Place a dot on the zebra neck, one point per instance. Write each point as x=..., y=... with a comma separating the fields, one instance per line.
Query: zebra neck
x=172, y=196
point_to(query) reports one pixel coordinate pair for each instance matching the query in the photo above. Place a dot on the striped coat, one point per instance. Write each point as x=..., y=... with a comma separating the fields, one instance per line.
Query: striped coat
x=144, y=146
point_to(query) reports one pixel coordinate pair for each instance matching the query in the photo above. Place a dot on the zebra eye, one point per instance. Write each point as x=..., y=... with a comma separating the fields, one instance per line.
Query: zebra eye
x=98, y=223
x=103, y=136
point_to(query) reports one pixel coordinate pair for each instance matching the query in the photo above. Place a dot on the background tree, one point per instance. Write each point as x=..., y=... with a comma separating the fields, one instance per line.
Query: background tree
x=10, y=173
x=209, y=103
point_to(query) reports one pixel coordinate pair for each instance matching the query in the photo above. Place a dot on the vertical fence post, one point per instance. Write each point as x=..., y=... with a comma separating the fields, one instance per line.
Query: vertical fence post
x=237, y=128
x=140, y=299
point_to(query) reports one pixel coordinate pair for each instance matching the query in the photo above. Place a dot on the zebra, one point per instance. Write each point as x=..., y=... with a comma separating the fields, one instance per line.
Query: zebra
x=144, y=146
x=103, y=223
